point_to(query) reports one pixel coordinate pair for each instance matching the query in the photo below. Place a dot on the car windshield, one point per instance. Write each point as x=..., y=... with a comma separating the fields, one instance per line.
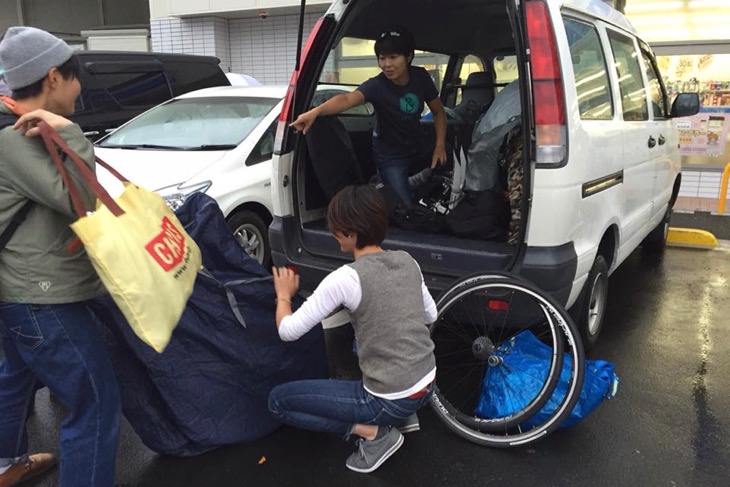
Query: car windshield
x=215, y=123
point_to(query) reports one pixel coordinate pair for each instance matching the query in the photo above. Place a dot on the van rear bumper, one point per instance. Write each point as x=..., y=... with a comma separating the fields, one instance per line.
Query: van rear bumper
x=552, y=269
x=287, y=249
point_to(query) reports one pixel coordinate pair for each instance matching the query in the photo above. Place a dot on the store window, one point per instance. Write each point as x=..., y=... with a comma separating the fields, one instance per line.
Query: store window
x=354, y=61
x=589, y=65
x=505, y=70
x=471, y=64
x=630, y=81
x=703, y=137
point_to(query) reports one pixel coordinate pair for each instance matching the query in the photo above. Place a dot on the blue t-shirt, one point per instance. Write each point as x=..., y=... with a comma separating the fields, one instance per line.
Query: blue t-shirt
x=398, y=109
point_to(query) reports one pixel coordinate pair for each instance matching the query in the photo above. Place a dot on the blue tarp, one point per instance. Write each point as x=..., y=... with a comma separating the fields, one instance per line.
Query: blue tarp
x=210, y=386
x=509, y=388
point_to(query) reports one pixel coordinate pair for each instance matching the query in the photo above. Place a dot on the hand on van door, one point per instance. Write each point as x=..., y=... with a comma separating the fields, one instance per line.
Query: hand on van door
x=304, y=121
x=28, y=123
x=286, y=282
x=333, y=106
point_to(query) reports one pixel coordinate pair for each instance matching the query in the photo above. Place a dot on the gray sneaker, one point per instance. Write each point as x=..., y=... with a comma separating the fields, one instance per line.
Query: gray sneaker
x=419, y=178
x=371, y=454
x=410, y=424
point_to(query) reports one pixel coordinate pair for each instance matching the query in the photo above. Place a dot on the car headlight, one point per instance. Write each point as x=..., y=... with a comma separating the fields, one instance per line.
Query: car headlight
x=176, y=195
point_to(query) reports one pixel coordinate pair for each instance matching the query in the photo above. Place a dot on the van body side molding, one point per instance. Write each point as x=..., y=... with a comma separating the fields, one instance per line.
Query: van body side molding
x=601, y=184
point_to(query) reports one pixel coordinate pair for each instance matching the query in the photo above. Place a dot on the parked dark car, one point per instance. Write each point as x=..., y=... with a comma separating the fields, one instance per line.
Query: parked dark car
x=117, y=86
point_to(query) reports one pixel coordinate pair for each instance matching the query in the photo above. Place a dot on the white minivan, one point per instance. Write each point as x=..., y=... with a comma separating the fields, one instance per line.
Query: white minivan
x=590, y=170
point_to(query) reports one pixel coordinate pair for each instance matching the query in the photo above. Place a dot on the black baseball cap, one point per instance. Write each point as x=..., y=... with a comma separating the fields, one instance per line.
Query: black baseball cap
x=395, y=41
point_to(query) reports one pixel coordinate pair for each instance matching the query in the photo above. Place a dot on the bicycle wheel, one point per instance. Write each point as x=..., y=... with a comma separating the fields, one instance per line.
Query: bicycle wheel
x=481, y=320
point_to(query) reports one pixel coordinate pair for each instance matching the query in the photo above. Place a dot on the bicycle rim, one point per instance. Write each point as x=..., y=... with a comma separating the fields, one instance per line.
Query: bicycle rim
x=480, y=319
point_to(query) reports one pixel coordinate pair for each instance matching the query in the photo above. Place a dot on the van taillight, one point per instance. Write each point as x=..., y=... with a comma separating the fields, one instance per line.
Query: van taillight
x=547, y=85
x=289, y=100
x=286, y=111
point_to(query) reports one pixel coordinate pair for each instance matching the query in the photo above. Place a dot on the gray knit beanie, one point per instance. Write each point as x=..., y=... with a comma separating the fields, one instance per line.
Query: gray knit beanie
x=27, y=54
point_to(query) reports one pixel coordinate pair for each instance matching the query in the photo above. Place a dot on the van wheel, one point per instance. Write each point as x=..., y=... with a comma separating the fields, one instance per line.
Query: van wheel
x=252, y=235
x=656, y=241
x=590, y=309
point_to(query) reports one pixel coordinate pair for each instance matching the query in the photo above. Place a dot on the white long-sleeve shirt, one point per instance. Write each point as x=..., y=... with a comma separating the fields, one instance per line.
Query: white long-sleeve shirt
x=339, y=288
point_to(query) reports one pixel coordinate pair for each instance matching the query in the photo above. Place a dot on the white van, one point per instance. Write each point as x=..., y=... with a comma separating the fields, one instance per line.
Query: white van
x=598, y=154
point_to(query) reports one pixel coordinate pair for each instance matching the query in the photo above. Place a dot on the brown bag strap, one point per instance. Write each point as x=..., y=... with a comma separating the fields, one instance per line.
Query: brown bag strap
x=53, y=142
x=52, y=139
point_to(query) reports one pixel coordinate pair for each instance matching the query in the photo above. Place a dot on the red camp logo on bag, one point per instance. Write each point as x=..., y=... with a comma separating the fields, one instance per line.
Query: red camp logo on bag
x=168, y=247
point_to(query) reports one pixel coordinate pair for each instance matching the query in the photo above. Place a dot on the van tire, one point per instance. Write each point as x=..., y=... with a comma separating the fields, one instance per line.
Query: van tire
x=656, y=241
x=590, y=308
x=252, y=234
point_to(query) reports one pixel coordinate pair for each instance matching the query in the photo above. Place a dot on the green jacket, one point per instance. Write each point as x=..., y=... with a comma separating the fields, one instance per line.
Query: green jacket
x=36, y=265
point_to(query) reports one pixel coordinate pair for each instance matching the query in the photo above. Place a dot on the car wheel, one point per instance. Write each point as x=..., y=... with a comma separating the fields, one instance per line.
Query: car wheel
x=590, y=309
x=656, y=241
x=252, y=235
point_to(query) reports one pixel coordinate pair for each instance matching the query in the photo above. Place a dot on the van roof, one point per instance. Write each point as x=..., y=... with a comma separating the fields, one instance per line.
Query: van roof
x=600, y=9
x=487, y=26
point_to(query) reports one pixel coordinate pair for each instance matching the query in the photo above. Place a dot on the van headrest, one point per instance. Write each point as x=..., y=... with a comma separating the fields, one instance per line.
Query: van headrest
x=480, y=79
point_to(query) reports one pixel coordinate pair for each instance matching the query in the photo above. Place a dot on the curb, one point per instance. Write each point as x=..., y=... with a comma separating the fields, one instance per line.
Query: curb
x=691, y=237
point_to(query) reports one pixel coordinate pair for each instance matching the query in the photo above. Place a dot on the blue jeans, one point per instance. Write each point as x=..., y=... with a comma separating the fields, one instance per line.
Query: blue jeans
x=336, y=406
x=60, y=346
x=395, y=167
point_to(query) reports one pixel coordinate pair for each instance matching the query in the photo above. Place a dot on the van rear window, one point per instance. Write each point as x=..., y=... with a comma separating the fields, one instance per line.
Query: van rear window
x=589, y=66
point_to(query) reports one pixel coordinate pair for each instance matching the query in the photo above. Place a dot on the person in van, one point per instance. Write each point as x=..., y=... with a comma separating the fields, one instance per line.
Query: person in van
x=390, y=305
x=48, y=331
x=397, y=94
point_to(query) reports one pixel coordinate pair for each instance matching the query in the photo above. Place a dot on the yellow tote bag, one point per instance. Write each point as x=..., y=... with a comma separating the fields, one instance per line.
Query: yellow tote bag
x=140, y=250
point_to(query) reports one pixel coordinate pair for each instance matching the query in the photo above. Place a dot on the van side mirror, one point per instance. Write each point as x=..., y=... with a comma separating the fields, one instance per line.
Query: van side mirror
x=685, y=105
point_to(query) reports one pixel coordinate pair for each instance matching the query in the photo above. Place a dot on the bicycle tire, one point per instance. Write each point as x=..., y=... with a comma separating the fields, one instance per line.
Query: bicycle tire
x=504, y=431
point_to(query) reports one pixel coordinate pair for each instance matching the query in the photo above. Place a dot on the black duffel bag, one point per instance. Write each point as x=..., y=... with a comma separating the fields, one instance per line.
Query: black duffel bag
x=417, y=218
x=482, y=215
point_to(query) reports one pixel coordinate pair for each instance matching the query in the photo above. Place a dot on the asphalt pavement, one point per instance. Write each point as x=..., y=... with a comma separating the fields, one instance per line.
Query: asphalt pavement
x=666, y=329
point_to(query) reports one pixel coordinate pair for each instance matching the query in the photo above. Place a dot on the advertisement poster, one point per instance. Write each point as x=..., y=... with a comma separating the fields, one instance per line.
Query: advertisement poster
x=704, y=134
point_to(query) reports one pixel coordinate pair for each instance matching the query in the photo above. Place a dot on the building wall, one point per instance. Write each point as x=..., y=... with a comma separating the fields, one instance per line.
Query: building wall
x=69, y=18
x=198, y=35
x=266, y=48
x=701, y=184
x=160, y=9
x=262, y=48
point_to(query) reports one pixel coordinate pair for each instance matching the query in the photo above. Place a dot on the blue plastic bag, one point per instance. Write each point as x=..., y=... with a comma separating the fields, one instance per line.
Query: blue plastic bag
x=525, y=367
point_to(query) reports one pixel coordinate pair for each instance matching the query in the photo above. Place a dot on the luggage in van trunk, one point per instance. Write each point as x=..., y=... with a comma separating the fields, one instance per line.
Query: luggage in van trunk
x=481, y=215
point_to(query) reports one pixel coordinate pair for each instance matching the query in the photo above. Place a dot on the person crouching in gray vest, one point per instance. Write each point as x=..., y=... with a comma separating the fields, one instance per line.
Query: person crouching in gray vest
x=390, y=306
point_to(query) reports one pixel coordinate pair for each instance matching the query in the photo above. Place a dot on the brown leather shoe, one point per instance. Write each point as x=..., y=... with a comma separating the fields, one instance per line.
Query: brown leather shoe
x=20, y=472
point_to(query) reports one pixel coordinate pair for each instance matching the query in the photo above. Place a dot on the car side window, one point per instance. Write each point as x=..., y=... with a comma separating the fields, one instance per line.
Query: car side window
x=589, y=66
x=264, y=148
x=630, y=80
x=657, y=93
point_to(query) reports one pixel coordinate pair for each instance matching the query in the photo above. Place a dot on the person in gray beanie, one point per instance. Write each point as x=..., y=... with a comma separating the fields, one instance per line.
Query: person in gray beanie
x=48, y=330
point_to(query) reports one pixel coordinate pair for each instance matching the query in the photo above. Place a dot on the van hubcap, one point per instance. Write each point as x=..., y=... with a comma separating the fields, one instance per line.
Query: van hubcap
x=597, y=303
x=250, y=240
